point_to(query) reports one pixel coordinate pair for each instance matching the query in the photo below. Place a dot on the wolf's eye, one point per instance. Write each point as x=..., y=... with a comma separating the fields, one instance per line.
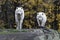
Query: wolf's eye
x=21, y=8
x=42, y=13
x=16, y=7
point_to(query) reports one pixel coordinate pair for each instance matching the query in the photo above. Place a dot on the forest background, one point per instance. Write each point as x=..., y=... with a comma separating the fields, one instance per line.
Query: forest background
x=31, y=7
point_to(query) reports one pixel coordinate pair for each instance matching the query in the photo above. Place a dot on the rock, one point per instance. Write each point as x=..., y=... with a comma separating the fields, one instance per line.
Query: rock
x=32, y=34
x=43, y=35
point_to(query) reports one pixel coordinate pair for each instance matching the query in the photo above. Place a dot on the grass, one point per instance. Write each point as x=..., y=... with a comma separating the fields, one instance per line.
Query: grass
x=10, y=31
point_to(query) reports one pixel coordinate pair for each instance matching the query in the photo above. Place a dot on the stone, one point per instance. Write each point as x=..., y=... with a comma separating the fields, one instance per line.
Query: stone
x=32, y=34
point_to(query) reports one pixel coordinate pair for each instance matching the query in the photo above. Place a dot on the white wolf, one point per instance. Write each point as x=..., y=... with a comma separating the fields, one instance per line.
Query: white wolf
x=19, y=11
x=41, y=17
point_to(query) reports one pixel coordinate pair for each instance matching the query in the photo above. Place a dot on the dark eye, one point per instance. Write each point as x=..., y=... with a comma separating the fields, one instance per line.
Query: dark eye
x=16, y=7
x=21, y=8
x=42, y=13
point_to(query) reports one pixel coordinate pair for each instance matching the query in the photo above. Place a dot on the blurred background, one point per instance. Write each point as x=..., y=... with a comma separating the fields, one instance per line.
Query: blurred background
x=31, y=7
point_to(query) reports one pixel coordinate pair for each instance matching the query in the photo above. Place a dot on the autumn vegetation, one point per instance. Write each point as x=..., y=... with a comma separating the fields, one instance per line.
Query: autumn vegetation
x=31, y=7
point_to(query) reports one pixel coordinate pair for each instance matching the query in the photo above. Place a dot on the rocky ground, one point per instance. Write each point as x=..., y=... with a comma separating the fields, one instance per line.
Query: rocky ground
x=29, y=34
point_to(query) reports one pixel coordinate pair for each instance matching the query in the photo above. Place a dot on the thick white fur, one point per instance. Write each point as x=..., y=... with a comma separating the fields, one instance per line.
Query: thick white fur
x=41, y=17
x=20, y=11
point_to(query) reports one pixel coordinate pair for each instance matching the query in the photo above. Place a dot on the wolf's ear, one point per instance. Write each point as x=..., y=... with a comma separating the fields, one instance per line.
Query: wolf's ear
x=19, y=7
